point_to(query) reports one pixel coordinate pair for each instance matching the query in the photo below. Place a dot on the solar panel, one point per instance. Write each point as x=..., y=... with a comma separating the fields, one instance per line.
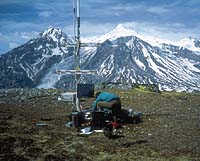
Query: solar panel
x=85, y=90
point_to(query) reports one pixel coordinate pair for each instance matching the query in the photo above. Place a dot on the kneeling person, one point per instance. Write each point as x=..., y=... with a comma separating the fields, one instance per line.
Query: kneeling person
x=110, y=101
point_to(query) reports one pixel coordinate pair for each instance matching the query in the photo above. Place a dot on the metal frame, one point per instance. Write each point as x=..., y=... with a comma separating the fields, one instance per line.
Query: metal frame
x=77, y=44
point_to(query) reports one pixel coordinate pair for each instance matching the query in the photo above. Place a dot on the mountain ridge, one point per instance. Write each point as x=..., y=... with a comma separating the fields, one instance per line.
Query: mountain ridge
x=121, y=56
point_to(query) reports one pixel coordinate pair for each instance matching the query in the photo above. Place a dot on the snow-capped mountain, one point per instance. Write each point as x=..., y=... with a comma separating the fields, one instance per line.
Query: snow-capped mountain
x=119, y=31
x=132, y=57
x=190, y=43
x=122, y=55
x=123, y=31
x=134, y=60
x=26, y=65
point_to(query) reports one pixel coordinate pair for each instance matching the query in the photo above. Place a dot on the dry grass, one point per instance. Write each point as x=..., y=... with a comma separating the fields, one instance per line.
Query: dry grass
x=170, y=131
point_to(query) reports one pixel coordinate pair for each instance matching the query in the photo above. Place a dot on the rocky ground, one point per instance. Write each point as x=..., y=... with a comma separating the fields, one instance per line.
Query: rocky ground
x=170, y=130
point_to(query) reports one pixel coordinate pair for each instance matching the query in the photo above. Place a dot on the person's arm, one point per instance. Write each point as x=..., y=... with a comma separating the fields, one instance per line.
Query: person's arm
x=95, y=103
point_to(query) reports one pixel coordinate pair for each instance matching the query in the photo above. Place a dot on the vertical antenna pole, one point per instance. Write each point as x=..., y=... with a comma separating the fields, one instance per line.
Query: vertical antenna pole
x=78, y=34
x=74, y=19
x=77, y=47
x=78, y=19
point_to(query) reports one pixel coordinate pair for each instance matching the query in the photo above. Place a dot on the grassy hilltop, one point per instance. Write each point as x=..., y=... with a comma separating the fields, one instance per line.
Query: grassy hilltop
x=170, y=130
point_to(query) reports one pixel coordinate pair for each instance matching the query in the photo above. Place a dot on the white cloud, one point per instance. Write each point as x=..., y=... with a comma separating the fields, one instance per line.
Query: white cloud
x=88, y=28
x=2, y=2
x=55, y=8
x=61, y=11
x=12, y=40
x=17, y=36
x=45, y=14
x=172, y=32
x=21, y=26
x=2, y=37
x=118, y=9
x=125, y=7
x=157, y=9
x=13, y=45
x=28, y=35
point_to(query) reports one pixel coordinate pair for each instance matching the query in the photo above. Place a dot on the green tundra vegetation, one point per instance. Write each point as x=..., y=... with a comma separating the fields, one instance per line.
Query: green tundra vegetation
x=170, y=130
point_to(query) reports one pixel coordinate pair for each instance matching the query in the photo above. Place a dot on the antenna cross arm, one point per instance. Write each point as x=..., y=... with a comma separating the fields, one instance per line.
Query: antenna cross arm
x=76, y=71
x=83, y=45
x=90, y=44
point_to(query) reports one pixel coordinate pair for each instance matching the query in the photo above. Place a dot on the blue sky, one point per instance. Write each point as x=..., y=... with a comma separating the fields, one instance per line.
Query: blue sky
x=21, y=20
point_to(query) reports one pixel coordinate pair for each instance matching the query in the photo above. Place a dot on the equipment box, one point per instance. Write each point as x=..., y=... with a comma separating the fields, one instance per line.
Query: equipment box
x=77, y=119
x=99, y=120
x=68, y=97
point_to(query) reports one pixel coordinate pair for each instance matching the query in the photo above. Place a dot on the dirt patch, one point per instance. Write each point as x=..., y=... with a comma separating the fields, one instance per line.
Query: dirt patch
x=170, y=130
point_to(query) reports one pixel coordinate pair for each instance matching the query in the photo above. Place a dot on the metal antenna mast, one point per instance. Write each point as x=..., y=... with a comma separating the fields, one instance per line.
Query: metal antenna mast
x=77, y=32
x=77, y=44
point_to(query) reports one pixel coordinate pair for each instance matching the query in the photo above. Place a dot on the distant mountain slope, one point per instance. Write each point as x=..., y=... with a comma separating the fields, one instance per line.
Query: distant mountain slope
x=25, y=65
x=122, y=56
x=130, y=59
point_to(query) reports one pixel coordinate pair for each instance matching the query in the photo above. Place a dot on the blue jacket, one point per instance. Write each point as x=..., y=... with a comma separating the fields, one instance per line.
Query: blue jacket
x=106, y=97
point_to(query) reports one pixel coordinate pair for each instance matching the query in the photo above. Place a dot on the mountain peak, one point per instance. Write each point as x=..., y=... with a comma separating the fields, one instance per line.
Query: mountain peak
x=120, y=30
x=56, y=34
x=51, y=31
x=124, y=29
x=190, y=43
x=121, y=26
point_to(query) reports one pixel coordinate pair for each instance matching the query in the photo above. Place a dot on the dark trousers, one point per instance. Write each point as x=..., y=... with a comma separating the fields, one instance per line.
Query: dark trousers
x=114, y=105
